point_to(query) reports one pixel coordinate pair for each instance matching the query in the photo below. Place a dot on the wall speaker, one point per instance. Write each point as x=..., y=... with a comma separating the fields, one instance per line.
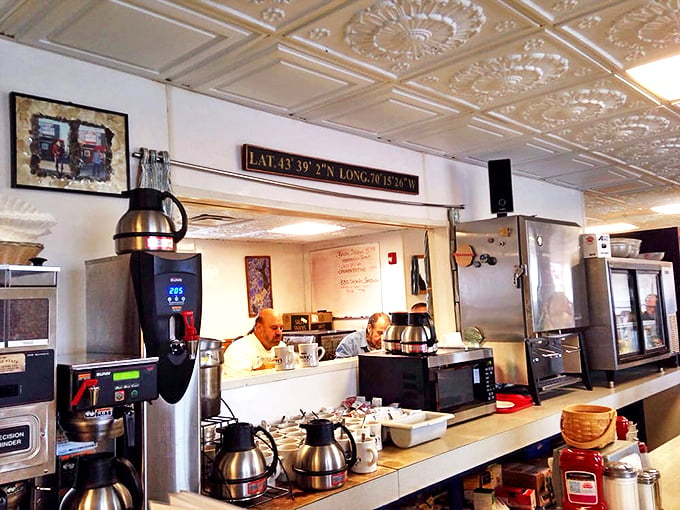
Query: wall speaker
x=500, y=186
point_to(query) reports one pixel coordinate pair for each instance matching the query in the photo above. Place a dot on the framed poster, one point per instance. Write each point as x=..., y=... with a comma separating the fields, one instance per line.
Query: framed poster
x=63, y=146
x=259, y=284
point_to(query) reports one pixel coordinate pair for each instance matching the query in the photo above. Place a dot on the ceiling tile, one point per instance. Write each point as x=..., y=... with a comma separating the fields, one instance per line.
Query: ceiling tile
x=631, y=32
x=560, y=165
x=623, y=129
x=460, y=134
x=596, y=178
x=536, y=63
x=283, y=79
x=577, y=104
x=380, y=112
x=559, y=10
x=401, y=36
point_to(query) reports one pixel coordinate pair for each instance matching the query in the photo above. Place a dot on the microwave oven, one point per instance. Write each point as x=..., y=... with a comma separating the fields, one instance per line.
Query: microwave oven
x=454, y=380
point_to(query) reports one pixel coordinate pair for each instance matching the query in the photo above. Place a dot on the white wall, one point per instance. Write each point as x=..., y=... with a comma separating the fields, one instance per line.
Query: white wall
x=206, y=131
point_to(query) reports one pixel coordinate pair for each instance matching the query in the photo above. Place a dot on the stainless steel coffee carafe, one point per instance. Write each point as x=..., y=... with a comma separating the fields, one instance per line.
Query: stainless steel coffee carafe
x=321, y=463
x=392, y=337
x=240, y=472
x=97, y=487
x=145, y=227
x=419, y=336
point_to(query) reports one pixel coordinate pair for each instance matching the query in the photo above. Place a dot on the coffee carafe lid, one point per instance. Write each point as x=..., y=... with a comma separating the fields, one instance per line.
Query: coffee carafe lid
x=237, y=437
x=95, y=471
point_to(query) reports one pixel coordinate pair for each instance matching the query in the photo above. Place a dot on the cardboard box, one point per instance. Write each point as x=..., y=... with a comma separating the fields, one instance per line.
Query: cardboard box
x=595, y=246
x=534, y=475
x=516, y=497
x=308, y=321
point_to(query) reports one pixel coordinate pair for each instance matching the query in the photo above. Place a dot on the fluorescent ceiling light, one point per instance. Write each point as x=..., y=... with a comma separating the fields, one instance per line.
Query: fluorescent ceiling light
x=610, y=228
x=661, y=77
x=667, y=209
x=306, y=228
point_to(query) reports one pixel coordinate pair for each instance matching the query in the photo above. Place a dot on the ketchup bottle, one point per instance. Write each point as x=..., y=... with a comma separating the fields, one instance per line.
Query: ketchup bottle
x=582, y=479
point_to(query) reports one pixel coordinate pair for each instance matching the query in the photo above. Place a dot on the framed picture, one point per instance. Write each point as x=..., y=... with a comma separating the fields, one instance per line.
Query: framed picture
x=68, y=147
x=259, y=284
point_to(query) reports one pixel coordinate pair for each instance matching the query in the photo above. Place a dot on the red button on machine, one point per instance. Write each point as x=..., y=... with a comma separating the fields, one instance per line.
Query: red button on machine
x=119, y=396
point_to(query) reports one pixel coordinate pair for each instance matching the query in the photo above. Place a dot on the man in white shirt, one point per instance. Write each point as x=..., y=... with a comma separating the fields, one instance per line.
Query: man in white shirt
x=254, y=351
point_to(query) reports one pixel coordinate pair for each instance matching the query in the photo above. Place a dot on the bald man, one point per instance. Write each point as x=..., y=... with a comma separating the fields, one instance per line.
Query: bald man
x=254, y=351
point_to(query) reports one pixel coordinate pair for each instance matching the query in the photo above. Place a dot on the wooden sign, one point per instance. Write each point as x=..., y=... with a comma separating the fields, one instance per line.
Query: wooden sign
x=292, y=165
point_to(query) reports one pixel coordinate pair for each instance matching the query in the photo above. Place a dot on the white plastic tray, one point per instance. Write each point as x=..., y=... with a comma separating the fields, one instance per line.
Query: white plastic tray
x=416, y=427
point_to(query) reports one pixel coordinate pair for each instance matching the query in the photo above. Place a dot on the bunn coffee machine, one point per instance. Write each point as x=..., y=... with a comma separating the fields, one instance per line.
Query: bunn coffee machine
x=148, y=304
x=28, y=312
x=100, y=397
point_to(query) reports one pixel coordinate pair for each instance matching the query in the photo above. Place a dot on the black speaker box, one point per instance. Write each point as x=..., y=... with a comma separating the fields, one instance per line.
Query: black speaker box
x=500, y=186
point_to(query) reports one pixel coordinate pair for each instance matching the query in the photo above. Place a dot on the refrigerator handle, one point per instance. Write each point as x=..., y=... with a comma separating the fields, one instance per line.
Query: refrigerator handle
x=520, y=269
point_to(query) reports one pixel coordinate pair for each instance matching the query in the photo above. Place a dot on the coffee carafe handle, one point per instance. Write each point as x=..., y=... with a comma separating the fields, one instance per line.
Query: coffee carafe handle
x=353, y=445
x=271, y=468
x=178, y=235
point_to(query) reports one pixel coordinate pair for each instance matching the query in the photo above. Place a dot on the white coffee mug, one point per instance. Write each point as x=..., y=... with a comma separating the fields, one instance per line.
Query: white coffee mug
x=284, y=358
x=367, y=457
x=376, y=433
x=311, y=354
x=287, y=454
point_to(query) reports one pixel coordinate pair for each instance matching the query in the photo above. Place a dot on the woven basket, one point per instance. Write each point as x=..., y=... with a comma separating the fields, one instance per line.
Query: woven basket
x=18, y=253
x=588, y=426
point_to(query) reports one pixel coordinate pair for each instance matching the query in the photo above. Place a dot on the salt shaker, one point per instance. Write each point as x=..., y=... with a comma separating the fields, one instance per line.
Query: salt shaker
x=657, y=487
x=647, y=499
x=620, y=486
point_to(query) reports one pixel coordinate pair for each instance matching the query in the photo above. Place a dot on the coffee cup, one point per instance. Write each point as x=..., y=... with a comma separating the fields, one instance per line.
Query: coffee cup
x=376, y=433
x=311, y=354
x=287, y=454
x=284, y=358
x=367, y=457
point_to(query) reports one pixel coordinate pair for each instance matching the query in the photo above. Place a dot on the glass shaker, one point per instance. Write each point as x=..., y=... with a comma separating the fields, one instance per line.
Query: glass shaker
x=657, y=487
x=620, y=486
x=647, y=499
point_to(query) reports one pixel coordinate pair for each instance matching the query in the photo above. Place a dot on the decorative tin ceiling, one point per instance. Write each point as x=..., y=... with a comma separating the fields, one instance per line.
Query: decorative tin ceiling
x=539, y=81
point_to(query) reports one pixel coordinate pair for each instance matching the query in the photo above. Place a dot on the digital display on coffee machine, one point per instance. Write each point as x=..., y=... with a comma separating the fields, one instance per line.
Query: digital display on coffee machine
x=175, y=290
x=126, y=376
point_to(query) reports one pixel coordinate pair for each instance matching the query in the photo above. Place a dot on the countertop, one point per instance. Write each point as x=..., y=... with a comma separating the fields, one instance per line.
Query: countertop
x=476, y=443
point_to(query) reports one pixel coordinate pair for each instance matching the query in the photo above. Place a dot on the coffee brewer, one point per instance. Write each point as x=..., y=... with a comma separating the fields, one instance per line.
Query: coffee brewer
x=148, y=304
x=99, y=399
x=28, y=312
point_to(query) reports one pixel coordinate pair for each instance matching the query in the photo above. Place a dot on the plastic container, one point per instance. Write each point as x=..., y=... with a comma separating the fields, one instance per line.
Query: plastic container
x=416, y=427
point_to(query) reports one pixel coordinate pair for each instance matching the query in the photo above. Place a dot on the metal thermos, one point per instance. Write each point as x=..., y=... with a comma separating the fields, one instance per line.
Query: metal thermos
x=392, y=337
x=145, y=227
x=321, y=463
x=211, y=376
x=240, y=472
x=419, y=336
x=97, y=487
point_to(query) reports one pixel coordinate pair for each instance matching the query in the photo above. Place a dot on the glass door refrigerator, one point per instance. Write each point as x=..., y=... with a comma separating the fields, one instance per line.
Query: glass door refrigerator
x=633, y=318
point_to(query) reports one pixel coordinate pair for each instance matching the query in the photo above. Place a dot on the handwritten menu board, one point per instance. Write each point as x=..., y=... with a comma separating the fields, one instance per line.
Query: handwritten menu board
x=346, y=280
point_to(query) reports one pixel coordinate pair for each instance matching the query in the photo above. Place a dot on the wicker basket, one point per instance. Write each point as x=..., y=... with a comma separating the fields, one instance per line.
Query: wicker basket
x=18, y=253
x=588, y=426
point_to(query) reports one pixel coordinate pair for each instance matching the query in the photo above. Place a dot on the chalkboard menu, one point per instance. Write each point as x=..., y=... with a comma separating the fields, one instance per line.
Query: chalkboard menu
x=347, y=280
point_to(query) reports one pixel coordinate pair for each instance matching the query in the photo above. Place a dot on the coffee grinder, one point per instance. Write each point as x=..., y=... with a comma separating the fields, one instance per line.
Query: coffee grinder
x=148, y=304
x=28, y=318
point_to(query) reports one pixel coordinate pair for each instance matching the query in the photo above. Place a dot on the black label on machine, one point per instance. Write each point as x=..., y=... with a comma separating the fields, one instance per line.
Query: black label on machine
x=14, y=439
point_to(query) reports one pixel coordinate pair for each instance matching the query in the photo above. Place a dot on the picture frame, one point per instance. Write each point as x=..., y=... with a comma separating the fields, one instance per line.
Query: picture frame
x=258, y=284
x=62, y=146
